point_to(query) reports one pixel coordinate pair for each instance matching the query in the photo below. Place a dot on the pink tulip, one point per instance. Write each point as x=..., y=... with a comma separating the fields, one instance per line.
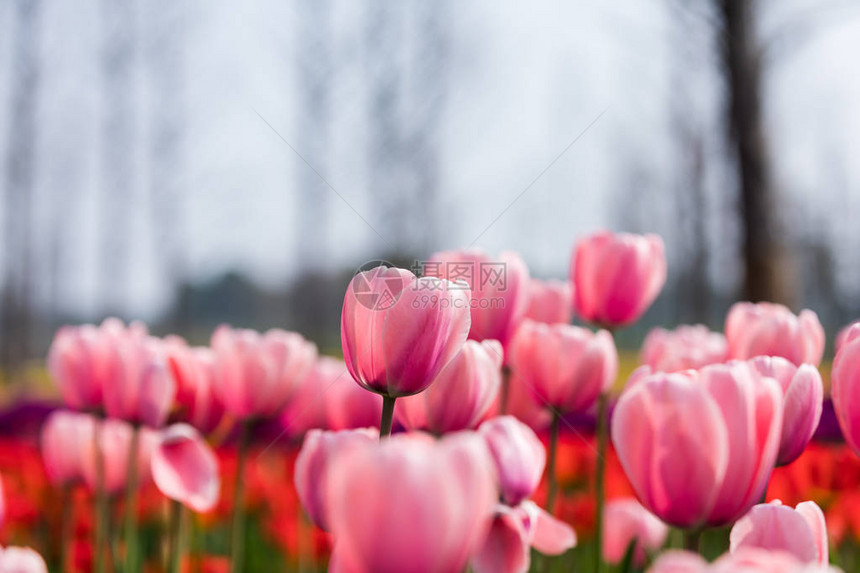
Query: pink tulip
x=525, y=406
x=842, y=336
x=699, y=446
x=616, y=276
x=845, y=388
x=626, y=521
x=550, y=301
x=347, y=405
x=803, y=395
x=184, y=468
x=499, y=289
x=460, y=395
x=307, y=408
x=566, y=367
x=312, y=466
x=684, y=348
x=514, y=531
x=767, y=329
x=83, y=360
x=21, y=560
x=674, y=561
x=411, y=504
x=518, y=454
x=115, y=438
x=398, y=348
x=193, y=369
x=65, y=435
x=256, y=374
x=773, y=526
x=746, y=560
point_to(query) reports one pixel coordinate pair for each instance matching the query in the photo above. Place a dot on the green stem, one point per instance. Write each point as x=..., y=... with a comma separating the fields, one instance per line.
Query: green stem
x=101, y=501
x=600, y=485
x=66, y=527
x=387, y=416
x=552, y=482
x=175, y=533
x=238, y=547
x=131, y=499
x=693, y=540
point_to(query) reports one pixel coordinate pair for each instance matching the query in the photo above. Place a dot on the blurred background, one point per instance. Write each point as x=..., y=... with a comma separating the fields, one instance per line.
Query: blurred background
x=192, y=163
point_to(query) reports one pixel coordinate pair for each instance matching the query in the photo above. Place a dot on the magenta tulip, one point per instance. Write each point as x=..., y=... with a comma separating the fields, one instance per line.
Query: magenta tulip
x=514, y=531
x=626, y=521
x=65, y=435
x=499, y=289
x=518, y=454
x=193, y=369
x=698, y=447
x=256, y=374
x=566, y=367
x=397, y=346
x=801, y=531
x=410, y=503
x=313, y=462
x=83, y=360
x=115, y=438
x=21, y=560
x=684, y=348
x=767, y=329
x=803, y=393
x=184, y=468
x=616, y=276
x=460, y=395
x=550, y=301
x=845, y=388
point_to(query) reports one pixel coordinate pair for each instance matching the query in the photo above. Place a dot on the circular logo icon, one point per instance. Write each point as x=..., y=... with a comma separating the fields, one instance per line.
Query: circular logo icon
x=374, y=288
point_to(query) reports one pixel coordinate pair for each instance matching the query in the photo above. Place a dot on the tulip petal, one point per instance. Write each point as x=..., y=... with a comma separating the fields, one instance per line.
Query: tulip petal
x=185, y=469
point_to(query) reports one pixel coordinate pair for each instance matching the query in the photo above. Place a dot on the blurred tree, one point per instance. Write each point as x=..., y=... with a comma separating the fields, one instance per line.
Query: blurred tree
x=18, y=283
x=118, y=135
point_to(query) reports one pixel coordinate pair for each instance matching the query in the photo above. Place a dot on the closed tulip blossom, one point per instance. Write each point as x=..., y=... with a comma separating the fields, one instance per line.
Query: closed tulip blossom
x=626, y=522
x=184, y=468
x=114, y=439
x=842, y=336
x=800, y=531
x=745, y=560
x=550, y=301
x=498, y=289
x=566, y=367
x=65, y=435
x=684, y=348
x=767, y=329
x=410, y=504
x=616, y=277
x=347, y=405
x=21, y=560
x=698, y=447
x=307, y=408
x=803, y=395
x=256, y=374
x=313, y=462
x=518, y=454
x=460, y=395
x=197, y=403
x=845, y=387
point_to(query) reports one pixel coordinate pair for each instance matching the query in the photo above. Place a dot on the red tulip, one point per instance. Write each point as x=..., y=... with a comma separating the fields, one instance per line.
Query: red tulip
x=625, y=521
x=460, y=395
x=566, y=367
x=256, y=374
x=767, y=329
x=803, y=395
x=550, y=301
x=616, y=276
x=21, y=560
x=514, y=532
x=65, y=434
x=184, y=468
x=410, y=503
x=313, y=462
x=193, y=369
x=773, y=526
x=683, y=348
x=518, y=454
x=699, y=447
x=499, y=289
x=397, y=346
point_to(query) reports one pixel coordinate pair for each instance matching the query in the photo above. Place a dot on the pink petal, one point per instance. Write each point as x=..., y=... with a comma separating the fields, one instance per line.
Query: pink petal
x=185, y=469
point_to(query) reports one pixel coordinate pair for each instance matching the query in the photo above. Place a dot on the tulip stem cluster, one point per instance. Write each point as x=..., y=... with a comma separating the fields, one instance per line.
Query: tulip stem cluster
x=131, y=504
x=552, y=482
x=175, y=537
x=238, y=547
x=387, y=416
x=600, y=473
x=66, y=531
